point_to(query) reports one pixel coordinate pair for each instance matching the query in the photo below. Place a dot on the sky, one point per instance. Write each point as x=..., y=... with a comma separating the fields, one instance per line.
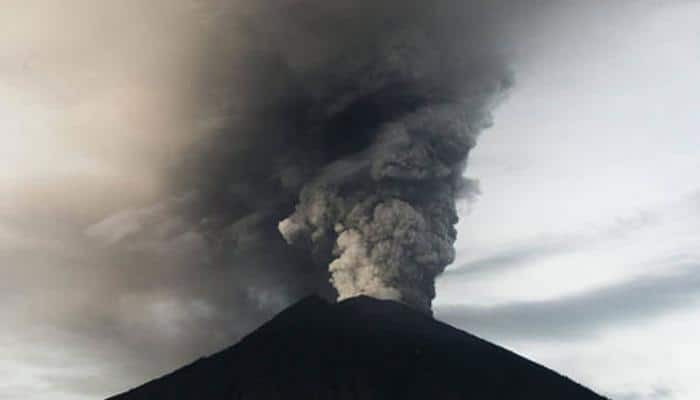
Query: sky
x=580, y=251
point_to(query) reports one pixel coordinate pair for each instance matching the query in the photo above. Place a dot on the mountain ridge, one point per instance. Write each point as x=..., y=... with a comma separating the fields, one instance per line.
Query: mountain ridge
x=361, y=348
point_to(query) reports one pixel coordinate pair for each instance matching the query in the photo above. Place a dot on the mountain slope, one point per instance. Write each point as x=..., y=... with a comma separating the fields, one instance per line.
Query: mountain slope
x=362, y=348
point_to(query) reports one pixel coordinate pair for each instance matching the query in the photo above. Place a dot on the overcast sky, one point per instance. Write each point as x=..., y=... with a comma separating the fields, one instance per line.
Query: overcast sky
x=581, y=251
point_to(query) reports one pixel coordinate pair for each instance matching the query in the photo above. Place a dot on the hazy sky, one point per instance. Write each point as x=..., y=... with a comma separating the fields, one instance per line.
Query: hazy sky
x=581, y=251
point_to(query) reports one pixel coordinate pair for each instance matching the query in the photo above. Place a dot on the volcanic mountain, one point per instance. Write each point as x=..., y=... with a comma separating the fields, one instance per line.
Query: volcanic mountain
x=361, y=348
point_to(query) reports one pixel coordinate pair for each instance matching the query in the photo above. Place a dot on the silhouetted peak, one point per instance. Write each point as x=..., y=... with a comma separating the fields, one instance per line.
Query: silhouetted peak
x=360, y=348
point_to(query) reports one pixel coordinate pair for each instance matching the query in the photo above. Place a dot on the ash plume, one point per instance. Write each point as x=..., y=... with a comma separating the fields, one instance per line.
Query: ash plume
x=155, y=146
x=351, y=123
x=389, y=224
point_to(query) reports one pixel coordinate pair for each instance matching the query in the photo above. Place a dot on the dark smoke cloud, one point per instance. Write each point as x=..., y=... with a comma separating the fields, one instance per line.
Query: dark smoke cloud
x=351, y=123
x=165, y=140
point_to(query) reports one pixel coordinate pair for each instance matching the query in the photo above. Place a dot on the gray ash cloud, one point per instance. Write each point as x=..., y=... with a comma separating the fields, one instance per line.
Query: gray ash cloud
x=167, y=139
x=351, y=123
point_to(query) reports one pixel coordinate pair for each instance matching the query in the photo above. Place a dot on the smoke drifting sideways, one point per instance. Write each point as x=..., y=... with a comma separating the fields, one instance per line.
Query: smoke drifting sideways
x=351, y=123
x=152, y=150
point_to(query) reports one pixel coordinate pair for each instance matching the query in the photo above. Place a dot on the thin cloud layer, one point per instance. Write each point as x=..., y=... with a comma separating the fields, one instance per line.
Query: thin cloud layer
x=585, y=314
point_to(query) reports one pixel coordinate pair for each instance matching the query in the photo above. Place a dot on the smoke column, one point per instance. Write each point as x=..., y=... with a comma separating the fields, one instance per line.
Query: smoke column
x=350, y=122
x=150, y=151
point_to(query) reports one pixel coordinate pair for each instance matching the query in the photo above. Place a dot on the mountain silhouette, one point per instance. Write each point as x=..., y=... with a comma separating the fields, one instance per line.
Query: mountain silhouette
x=361, y=348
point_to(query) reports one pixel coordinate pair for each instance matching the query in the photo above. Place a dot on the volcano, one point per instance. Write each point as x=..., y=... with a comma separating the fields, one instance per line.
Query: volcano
x=361, y=348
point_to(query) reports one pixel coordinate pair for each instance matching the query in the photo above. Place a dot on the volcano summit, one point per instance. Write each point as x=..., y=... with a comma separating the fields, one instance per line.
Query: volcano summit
x=361, y=348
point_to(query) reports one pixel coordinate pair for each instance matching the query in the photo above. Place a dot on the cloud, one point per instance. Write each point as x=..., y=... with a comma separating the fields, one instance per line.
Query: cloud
x=128, y=298
x=657, y=393
x=583, y=314
x=552, y=245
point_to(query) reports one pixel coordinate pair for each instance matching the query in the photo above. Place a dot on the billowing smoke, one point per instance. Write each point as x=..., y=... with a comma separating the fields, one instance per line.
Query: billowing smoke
x=387, y=217
x=351, y=123
x=150, y=149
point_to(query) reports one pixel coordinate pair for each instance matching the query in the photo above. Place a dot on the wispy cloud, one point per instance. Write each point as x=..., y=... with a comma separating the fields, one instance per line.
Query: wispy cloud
x=582, y=314
x=548, y=246
x=657, y=393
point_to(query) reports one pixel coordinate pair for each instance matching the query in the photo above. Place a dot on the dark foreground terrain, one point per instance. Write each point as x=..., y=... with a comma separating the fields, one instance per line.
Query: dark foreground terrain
x=362, y=348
